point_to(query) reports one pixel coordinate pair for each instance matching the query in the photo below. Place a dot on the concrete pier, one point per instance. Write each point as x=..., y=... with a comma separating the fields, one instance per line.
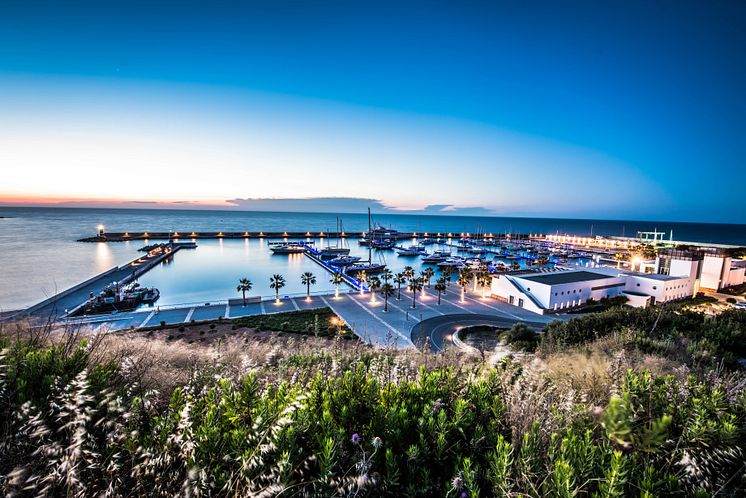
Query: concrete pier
x=191, y=234
x=65, y=302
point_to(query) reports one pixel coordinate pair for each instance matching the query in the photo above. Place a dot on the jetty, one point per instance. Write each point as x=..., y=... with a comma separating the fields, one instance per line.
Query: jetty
x=103, y=236
x=64, y=303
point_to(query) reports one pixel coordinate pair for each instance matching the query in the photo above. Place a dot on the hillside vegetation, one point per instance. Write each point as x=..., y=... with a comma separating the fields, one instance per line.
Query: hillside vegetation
x=619, y=403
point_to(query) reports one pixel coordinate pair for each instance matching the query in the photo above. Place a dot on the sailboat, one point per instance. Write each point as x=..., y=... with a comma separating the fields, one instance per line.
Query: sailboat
x=336, y=250
x=369, y=267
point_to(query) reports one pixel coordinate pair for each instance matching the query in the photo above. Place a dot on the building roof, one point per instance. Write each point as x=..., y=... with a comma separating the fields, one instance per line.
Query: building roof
x=656, y=276
x=565, y=277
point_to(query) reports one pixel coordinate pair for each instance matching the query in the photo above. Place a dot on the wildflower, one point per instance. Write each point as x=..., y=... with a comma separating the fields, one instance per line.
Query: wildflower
x=355, y=438
x=463, y=494
x=457, y=482
x=377, y=442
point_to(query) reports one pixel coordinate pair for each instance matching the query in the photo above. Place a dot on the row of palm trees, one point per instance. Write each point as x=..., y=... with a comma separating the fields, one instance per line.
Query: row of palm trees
x=415, y=283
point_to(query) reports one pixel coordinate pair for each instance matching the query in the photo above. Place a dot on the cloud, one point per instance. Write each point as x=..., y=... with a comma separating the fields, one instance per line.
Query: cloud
x=279, y=204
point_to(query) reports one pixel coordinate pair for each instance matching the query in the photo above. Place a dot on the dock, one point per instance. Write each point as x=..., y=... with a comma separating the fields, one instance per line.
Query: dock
x=249, y=234
x=65, y=302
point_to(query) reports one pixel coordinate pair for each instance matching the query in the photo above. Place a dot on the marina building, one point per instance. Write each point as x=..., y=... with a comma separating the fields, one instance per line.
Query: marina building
x=547, y=292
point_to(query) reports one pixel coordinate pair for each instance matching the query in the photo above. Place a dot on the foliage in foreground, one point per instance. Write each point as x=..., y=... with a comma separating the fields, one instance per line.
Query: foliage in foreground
x=76, y=427
x=695, y=337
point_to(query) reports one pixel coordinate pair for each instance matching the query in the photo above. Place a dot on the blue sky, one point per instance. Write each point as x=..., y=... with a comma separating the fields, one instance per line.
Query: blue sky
x=589, y=109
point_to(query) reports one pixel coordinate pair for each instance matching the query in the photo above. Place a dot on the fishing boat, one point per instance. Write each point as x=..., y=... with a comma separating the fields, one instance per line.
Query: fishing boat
x=287, y=247
x=116, y=298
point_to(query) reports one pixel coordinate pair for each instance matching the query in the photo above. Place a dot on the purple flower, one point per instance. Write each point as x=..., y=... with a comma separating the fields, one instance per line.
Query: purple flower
x=355, y=438
x=463, y=494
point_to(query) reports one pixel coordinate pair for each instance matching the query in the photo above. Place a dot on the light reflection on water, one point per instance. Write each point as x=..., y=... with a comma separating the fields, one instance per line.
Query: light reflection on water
x=211, y=272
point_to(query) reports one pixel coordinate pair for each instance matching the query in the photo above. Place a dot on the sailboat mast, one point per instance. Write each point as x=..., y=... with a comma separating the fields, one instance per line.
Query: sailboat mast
x=370, y=241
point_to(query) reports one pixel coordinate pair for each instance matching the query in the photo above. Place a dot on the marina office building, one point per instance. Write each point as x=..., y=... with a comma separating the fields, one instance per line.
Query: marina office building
x=675, y=275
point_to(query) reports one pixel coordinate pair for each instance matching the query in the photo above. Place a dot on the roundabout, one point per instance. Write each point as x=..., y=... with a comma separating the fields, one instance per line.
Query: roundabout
x=439, y=332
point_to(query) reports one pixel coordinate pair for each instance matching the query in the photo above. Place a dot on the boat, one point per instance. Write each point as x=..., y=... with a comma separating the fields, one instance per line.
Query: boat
x=336, y=250
x=369, y=267
x=410, y=251
x=382, y=244
x=478, y=250
x=452, y=262
x=344, y=261
x=114, y=298
x=287, y=247
x=436, y=257
x=427, y=242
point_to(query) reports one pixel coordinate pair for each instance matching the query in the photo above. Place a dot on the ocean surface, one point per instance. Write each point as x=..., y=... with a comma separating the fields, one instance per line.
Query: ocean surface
x=39, y=255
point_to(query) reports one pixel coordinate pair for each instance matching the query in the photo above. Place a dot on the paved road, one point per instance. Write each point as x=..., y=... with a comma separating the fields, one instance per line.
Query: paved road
x=438, y=332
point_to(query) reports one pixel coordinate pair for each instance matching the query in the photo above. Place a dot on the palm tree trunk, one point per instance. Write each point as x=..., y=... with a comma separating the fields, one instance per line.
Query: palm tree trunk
x=398, y=296
x=308, y=290
x=386, y=300
x=438, y=298
x=414, y=297
x=244, y=297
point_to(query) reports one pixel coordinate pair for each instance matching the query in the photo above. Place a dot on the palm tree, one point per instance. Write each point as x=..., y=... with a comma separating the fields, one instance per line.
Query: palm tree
x=515, y=266
x=277, y=282
x=336, y=279
x=440, y=286
x=387, y=290
x=543, y=261
x=484, y=279
x=399, y=279
x=374, y=283
x=464, y=276
x=427, y=275
x=244, y=286
x=447, y=272
x=386, y=275
x=362, y=277
x=415, y=283
x=408, y=272
x=308, y=279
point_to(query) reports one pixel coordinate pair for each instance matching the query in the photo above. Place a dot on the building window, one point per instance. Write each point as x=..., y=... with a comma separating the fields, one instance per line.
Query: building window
x=654, y=287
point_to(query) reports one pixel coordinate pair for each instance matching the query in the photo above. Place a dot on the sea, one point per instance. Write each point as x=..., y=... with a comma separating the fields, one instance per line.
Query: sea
x=39, y=255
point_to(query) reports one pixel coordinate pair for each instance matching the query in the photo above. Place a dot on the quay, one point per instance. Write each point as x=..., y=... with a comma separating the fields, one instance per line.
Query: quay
x=63, y=303
x=103, y=236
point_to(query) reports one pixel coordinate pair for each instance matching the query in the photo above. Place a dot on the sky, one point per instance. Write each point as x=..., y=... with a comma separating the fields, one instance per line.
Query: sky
x=611, y=110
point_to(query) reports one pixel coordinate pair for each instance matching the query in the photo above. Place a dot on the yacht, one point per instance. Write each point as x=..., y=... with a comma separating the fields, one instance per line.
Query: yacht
x=410, y=251
x=287, y=247
x=369, y=267
x=436, y=257
x=452, y=262
x=344, y=261
x=336, y=250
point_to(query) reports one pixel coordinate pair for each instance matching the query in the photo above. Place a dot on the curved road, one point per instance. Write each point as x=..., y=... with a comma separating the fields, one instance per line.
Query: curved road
x=440, y=329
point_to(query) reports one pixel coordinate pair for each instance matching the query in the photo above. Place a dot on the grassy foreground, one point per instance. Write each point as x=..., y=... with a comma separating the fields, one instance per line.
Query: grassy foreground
x=622, y=403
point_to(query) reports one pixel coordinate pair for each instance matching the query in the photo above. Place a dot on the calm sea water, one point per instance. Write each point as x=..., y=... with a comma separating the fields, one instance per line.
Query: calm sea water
x=39, y=255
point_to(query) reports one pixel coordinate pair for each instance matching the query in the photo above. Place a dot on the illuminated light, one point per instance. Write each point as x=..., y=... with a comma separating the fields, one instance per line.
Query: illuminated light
x=449, y=234
x=261, y=234
x=426, y=235
x=145, y=234
x=321, y=234
x=414, y=234
x=194, y=234
x=126, y=234
x=176, y=234
x=308, y=299
x=343, y=234
x=284, y=234
x=308, y=234
x=220, y=234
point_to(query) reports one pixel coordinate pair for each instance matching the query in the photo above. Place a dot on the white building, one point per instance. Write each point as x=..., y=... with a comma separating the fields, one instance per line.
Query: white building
x=546, y=292
x=710, y=269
